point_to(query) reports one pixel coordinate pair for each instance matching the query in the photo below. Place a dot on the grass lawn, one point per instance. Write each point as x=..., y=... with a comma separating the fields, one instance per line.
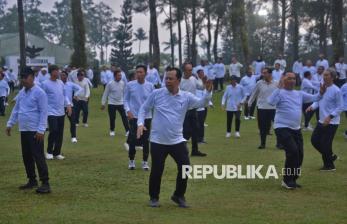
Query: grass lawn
x=93, y=184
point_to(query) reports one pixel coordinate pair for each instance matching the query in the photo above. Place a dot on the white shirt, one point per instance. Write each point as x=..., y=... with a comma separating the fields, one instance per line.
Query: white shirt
x=282, y=63
x=191, y=84
x=233, y=97
x=235, y=69
x=311, y=69
x=323, y=63
x=341, y=68
x=297, y=67
x=277, y=74
x=258, y=67
x=114, y=93
x=90, y=74
x=85, y=93
x=219, y=70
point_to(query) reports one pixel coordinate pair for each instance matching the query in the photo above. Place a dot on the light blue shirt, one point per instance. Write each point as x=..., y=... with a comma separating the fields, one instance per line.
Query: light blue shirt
x=233, y=97
x=248, y=83
x=219, y=70
x=311, y=69
x=57, y=99
x=135, y=95
x=153, y=76
x=344, y=96
x=310, y=86
x=4, y=88
x=330, y=104
x=72, y=89
x=289, y=107
x=168, y=114
x=30, y=110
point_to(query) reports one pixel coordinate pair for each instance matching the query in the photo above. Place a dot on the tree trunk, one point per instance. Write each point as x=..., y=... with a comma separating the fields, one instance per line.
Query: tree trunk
x=209, y=36
x=187, y=37
x=78, y=58
x=276, y=24
x=21, y=34
x=194, y=50
x=239, y=27
x=295, y=30
x=215, y=43
x=283, y=26
x=337, y=28
x=154, y=32
x=179, y=37
x=171, y=34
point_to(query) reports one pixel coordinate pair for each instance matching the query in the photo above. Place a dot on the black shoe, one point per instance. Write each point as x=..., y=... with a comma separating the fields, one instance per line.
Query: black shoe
x=154, y=203
x=180, y=201
x=198, y=153
x=30, y=185
x=334, y=157
x=332, y=168
x=43, y=189
x=289, y=185
x=261, y=147
x=279, y=146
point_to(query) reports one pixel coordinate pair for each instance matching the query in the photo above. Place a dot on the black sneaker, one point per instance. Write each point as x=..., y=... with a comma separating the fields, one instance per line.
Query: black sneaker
x=334, y=157
x=328, y=169
x=261, y=147
x=288, y=185
x=44, y=189
x=280, y=147
x=30, y=185
x=180, y=201
x=198, y=153
x=154, y=203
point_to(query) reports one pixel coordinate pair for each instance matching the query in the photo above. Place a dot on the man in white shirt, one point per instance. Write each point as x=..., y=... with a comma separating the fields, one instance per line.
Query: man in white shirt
x=297, y=69
x=322, y=62
x=81, y=99
x=235, y=68
x=308, y=67
x=219, y=70
x=4, y=92
x=341, y=69
x=114, y=94
x=277, y=72
x=90, y=75
x=281, y=61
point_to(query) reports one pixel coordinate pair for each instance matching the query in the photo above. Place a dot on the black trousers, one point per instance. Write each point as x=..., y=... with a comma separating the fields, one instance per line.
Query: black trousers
x=11, y=85
x=230, y=115
x=292, y=142
x=143, y=141
x=72, y=120
x=112, y=115
x=33, y=152
x=56, y=133
x=78, y=106
x=190, y=129
x=340, y=82
x=308, y=115
x=265, y=117
x=322, y=139
x=218, y=81
x=249, y=111
x=2, y=105
x=201, y=115
x=159, y=152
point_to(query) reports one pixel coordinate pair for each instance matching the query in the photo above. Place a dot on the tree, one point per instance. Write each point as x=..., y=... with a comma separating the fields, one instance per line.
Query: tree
x=172, y=43
x=78, y=58
x=21, y=34
x=140, y=35
x=122, y=54
x=154, y=35
x=337, y=28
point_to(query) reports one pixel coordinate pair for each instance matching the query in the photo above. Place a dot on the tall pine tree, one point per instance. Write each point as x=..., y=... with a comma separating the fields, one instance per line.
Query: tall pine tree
x=121, y=54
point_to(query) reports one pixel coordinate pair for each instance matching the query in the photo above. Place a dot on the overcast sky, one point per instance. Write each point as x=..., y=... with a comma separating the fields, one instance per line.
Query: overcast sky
x=139, y=20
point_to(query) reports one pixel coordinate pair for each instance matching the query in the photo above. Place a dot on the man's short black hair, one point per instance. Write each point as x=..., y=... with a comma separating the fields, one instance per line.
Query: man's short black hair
x=142, y=66
x=24, y=73
x=268, y=69
x=178, y=72
x=307, y=74
x=52, y=68
x=186, y=63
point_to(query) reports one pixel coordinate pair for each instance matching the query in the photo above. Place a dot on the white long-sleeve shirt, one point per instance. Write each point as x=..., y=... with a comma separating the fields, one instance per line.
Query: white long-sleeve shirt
x=344, y=96
x=258, y=67
x=309, y=86
x=85, y=93
x=297, y=67
x=282, y=63
x=323, y=62
x=4, y=88
x=233, y=97
x=235, y=69
x=262, y=92
x=191, y=84
x=311, y=69
x=114, y=93
x=219, y=70
x=248, y=83
x=330, y=104
x=277, y=74
x=341, y=68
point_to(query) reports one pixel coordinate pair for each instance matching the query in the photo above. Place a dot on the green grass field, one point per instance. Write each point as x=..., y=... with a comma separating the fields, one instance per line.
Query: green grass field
x=93, y=184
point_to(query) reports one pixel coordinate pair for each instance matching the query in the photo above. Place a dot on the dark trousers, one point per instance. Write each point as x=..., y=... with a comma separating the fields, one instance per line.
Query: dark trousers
x=78, y=106
x=179, y=153
x=340, y=82
x=56, y=133
x=33, y=152
x=346, y=117
x=11, y=85
x=322, y=139
x=230, y=115
x=201, y=115
x=112, y=115
x=249, y=111
x=143, y=141
x=2, y=105
x=72, y=120
x=218, y=81
x=307, y=115
x=265, y=117
x=190, y=129
x=292, y=143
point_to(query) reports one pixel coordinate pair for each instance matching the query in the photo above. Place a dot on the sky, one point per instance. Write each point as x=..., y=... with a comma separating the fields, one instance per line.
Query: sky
x=139, y=20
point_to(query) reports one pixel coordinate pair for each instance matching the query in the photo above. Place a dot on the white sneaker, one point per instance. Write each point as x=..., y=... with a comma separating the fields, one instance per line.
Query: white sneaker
x=59, y=157
x=77, y=125
x=228, y=135
x=49, y=156
x=131, y=165
x=246, y=118
x=345, y=135
x=6, y=104
x=252, y=117
x=85, y=125
x=205, y=125
x=127, y=134
x=308, y=129
x=145, y=165
x=138, y=147
x=112, y=133
x=126, y=146
x=74, y=140
x=237, y=135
